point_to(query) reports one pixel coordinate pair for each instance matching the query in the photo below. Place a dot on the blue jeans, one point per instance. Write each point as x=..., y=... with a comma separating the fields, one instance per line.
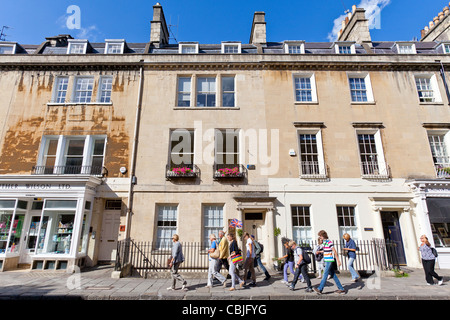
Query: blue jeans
x=329, y=270
x=352, y=270
x=290, y=265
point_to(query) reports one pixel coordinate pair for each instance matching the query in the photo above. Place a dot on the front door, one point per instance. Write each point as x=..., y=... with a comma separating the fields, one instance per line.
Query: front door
x=109, y=235
x=31, y=238
x=253, y=224
x=393, y=234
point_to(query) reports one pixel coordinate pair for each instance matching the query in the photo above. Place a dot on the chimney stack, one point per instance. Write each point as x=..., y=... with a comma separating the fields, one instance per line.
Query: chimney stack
x=355, y=27
x=159, y=33
x=258, y=33
x=437, y=30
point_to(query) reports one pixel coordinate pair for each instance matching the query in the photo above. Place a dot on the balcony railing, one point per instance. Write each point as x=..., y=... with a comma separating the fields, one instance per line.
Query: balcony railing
x=373, y=170
x=60, y=170
x=442, y=170
x=313, y=170
x=229, y=171
x=182, y=171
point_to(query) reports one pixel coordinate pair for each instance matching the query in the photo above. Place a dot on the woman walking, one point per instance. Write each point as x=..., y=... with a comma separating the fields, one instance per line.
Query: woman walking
x=288, y=261
x=329, y=255
x=234, y=250
x=213, y=262
x=174, y=264
x=428, y=261
x=318, y=255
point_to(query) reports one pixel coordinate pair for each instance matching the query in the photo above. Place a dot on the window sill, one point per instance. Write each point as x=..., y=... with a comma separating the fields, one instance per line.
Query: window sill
x=206, y=108
x=79, y=103
x=431, y=103
x=367, y=103
x=306, y=102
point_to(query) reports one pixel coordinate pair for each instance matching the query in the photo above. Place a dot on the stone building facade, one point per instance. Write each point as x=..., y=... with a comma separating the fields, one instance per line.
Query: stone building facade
x=105, y=141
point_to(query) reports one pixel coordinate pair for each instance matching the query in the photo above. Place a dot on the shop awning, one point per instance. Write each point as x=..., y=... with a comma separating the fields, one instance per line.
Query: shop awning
x=439, y=210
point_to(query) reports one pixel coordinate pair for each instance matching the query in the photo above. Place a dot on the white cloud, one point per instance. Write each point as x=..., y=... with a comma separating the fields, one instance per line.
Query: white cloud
x=373, y=9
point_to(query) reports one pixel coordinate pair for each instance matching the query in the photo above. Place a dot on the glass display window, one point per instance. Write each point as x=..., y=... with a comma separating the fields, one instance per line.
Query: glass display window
x=441, y=234
x=12, y=216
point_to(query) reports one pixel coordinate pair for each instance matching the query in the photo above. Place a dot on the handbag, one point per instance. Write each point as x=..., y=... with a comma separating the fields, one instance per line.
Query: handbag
x=215, y=254
x=236, y=258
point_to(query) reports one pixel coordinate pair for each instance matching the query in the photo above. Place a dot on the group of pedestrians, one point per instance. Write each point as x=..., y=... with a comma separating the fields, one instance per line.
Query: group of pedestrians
x=226, y=252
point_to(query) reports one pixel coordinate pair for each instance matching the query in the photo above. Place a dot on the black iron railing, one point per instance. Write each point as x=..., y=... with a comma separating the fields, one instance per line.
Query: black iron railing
x=87, y=170
x=145, y=257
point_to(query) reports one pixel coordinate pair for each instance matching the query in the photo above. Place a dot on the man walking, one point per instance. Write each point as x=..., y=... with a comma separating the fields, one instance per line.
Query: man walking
x=249, y=261
x=301, y=264
x=224, y=253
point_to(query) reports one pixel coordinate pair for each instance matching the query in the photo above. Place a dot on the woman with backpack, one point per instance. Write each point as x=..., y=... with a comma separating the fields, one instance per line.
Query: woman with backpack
x=301, y=263
x=428, y=261
x=288, y=262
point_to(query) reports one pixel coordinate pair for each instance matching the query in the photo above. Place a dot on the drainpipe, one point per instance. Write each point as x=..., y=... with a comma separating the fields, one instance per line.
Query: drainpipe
x=442, y=70
x=133, y=154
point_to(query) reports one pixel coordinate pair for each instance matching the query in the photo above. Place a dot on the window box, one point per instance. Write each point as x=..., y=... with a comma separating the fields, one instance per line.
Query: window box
x=182, y=171
x=224, y=171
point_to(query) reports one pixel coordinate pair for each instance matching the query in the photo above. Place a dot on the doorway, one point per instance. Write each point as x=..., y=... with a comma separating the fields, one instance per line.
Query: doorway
x=253, y=224
x=393, y=234
x=109, y=235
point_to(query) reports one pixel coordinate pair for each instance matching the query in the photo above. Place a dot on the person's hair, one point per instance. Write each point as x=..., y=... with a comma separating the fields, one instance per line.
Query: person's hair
x=212, y=235
x=319, y=240
x=426, y=242
x=323, y=234
x=246, y=235
x=291, y=243
x=232, y=235
x=284, y=240
x=176, y=237
x=221, y=232
x=346, y=235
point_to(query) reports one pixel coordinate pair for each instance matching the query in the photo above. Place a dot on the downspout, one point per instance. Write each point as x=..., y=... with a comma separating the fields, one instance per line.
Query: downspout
x=442, y=70
x=133, y=154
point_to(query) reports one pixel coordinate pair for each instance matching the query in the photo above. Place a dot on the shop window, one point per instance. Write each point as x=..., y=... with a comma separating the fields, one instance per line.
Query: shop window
x=12, y=217
x=441, y=234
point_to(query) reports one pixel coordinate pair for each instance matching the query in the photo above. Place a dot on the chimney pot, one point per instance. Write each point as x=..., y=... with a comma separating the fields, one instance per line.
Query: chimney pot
x=431, y=24
x=353, y=8
x=441, y=16
x=436, y=20
x=446, y=10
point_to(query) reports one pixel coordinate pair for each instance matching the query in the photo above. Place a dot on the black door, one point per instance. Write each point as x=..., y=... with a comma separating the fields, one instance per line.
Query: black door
x=393, y=234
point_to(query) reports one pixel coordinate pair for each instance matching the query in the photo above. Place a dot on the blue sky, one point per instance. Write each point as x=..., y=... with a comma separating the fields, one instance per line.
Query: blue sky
x=209, y=21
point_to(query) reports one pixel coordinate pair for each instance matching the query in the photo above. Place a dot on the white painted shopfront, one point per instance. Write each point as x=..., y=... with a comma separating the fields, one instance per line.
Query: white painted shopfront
x=45, y=220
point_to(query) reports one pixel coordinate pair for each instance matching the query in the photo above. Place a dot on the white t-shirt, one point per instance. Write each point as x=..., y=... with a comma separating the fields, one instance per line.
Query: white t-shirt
x=250, y=243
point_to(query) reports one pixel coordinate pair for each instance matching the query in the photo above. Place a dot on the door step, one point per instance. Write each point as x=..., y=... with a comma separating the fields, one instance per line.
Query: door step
x=23, y=266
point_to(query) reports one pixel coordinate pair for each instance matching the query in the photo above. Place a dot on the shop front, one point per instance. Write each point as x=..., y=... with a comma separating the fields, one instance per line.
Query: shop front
x=45, y=221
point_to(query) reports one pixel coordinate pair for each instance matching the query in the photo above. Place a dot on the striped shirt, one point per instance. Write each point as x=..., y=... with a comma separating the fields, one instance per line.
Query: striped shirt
x=328, y=250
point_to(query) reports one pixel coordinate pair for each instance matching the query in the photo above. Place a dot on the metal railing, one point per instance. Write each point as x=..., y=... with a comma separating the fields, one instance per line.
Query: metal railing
x=145, y=257
x=87, y=170
x=375, y=170
x=313, y=170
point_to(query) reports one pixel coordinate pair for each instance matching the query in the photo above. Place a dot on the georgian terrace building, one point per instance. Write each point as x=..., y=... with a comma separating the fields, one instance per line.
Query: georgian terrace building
x=103, y=141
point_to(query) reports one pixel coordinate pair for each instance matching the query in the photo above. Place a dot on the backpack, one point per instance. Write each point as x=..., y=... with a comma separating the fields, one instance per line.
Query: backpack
x=261, y=246
x=433, y=250
x=306, y=256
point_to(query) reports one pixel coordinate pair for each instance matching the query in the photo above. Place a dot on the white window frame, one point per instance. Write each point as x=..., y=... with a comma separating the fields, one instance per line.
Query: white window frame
x=169, y=208
x=400, y=45
x=75, y=91
x=236, y=45
x=198, y=92
x=368, y=84
x=73, y=42
x=320, y=153
x=61, y=150
x=383, y=170
x=120, y=42
x=353, y=230
x=101, y=90
x=226, y=152
x=56, y=90
x=290, y=45
x=13, y=47
x=182, y=46
x=337, y=45
x=312, y=80
x=299, y=229
x=218, y=222
x=442, y=152
x=446, y=47
x=434, y=87
x=221, y=91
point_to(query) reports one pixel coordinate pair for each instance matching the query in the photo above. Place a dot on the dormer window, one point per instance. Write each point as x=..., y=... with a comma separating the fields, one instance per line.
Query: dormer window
x=188, y=47
x=7, y=48
x=231, y=47
x=114, y=46
x=294, y=47
x=406, y=48
x=446, y=48
x=345, y=48
x=77, y=46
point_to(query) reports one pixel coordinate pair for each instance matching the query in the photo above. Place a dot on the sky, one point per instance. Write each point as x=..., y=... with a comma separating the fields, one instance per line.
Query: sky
x=210, y=21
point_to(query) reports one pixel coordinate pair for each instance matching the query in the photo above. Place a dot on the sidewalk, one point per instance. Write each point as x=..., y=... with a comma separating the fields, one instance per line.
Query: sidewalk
x=97, y=284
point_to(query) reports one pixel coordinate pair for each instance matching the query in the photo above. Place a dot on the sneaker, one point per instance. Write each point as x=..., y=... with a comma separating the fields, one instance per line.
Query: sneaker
x=440, y=282
x=267, y=278
x=317, y=291
x=184, y=286
x=283, y=281
x=340, y=291
x=309, y=290
x=291, y=288
x=430, y=284
x=170, y=289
